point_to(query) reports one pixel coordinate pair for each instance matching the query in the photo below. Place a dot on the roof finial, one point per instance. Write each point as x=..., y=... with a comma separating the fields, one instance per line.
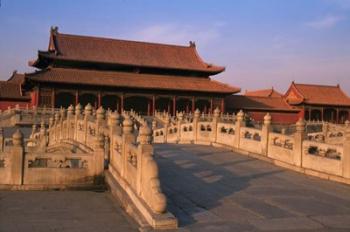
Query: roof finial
x=14, y=72
x=54, y=29
x=192, y=44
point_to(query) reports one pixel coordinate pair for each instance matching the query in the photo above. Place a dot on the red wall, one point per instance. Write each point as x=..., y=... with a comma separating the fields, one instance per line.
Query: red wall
x=277, y=117
x=4, y=104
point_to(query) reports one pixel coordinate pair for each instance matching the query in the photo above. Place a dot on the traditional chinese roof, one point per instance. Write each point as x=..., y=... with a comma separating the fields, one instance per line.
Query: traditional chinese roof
x=130, y=80
x=258, y=103
x=16, y=78
x=11, y=91
x=316, y=95
x=79, y=48
x=263, y=93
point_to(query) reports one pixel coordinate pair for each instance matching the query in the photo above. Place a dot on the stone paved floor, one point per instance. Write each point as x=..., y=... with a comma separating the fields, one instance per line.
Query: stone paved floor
x=212, y=189
x=47, y=211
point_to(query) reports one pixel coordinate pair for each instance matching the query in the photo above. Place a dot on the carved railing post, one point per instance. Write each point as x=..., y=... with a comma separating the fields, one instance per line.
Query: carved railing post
x=100, y=116
x=17, y=158
x=154, y=124
x=166, y=125
x=63, y=115
x=346, y=154
x=43, y=137
x=99, y=154
x=70, y=114
x=238, y=124
x=56, y=126
x=127, y=138
x=148, y=184
x=87, y=115
x=265, y=134
x=180, y=117
x=196, y=116
x=299, y=136
x=76, y=120
x=214, y=125
x=325, y=129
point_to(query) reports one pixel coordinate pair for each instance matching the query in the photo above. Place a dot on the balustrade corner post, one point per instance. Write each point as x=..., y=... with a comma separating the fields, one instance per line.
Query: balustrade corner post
x=238, y=124
x=196, y=117
x=346, y=154
x=266, y=128
x=299, y=137
x=17, y=158
x=99, y=154
x=214, y=125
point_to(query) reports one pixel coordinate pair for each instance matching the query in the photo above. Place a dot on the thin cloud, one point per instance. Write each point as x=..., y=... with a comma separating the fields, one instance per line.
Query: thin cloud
x=325, y=23
x=174, y=33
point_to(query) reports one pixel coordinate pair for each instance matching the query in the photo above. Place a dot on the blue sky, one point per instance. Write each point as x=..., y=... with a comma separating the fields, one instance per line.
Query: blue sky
x=262, y=43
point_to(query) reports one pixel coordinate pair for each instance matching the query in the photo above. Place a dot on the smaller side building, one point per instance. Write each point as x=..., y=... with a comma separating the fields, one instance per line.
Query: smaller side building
x=258, y=103
x=319, y=102
x=308, y=101
x=11, y=93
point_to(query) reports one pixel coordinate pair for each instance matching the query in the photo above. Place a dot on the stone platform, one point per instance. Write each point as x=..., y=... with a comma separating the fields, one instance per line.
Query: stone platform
x=63, y=211
x=213, y=189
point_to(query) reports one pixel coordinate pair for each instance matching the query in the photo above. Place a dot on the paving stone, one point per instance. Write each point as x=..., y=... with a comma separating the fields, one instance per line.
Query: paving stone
x=283, y=224
x=233, y=192
x=335, y=221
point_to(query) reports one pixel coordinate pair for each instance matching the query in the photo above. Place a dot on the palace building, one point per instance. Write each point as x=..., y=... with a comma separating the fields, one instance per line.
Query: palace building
x=120, y=74
x=311, y=102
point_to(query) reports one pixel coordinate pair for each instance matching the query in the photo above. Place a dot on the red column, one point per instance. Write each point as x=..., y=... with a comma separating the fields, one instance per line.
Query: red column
x=121, y=103
x=193, y=105
x=98, y=99
x=337, y=116
x=322, y=112
x=174, y=105
x=53, y=98
x=211, y=105
x=37, y=97
x=148, y=108
x=153, y=104
x=76, y=97
x=222, y=105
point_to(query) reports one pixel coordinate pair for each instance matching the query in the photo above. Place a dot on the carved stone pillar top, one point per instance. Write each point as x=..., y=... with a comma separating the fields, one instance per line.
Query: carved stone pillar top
x=100, y=113
x=216, y=112
x=240, y=116
x=197, y=113
x=145, y=134
x=127, y=124
x=70, y=110
x=180, y=116
x=78, y=109
x=267, y=119
x=17, y=138
x=88, y=110
x=300, y=125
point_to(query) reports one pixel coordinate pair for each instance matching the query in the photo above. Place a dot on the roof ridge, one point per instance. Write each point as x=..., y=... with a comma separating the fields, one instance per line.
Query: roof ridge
x=123, y=40
x=318, y=85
